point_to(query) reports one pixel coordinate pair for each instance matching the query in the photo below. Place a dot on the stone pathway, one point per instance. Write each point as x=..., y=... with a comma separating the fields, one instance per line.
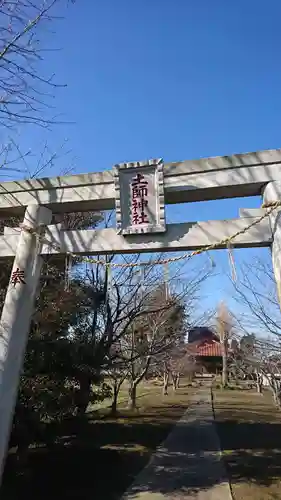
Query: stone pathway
x=188, y=465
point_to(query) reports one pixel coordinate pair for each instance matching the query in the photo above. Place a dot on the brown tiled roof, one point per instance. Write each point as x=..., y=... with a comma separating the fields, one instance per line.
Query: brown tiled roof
x=212, y=349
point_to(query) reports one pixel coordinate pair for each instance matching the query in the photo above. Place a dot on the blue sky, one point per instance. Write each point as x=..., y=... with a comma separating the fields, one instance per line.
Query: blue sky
x=177, y=79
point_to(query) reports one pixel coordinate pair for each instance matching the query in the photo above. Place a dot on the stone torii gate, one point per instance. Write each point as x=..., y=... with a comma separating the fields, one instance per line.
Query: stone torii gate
x=139, y=193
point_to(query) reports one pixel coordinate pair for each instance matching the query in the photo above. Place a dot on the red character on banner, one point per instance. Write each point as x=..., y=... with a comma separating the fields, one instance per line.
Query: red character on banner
x=17, y=277
x=139, y=187
x=139, y=200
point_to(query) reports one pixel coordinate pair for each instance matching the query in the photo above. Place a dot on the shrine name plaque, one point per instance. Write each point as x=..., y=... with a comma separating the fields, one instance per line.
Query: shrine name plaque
x=139, y=197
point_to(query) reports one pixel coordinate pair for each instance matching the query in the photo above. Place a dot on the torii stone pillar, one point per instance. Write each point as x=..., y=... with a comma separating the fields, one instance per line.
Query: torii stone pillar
x=272, y=193
x=16, y=317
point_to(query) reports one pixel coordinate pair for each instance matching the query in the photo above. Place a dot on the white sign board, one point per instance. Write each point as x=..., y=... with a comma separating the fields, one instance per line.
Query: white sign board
x=139, y=197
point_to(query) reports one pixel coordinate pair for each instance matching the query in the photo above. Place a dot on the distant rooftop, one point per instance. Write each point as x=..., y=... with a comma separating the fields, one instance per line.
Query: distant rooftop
x=199, y=333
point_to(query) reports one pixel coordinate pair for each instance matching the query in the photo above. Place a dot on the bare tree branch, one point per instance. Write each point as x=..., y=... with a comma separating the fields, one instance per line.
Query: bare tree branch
x=23, y=89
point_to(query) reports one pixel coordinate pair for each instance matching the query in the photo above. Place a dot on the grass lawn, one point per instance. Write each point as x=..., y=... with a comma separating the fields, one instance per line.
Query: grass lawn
x=249, y=428
x=99, y=458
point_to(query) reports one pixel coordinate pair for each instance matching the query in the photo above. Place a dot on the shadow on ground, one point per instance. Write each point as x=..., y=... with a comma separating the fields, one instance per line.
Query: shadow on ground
x=97, y=458
x=255, y=457
x=252, y=450
x=103, y=462
x=100, y=458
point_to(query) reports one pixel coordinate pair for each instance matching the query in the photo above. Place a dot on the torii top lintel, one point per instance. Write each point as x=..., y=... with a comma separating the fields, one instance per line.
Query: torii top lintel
x=205, y=179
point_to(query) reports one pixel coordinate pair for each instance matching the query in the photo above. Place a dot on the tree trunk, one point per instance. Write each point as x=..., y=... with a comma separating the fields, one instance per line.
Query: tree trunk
x=224, y=365
x=259, y=384
x=274, y=386
x=83, y=397
x=134, y=382
x=278, y=398
x=165, y=383
x=114, y=399
x=132, y=399
x=175, y=380
x=259, y=387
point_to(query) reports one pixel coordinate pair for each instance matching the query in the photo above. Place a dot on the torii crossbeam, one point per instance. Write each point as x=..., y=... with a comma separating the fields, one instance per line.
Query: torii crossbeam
x=199, y=180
